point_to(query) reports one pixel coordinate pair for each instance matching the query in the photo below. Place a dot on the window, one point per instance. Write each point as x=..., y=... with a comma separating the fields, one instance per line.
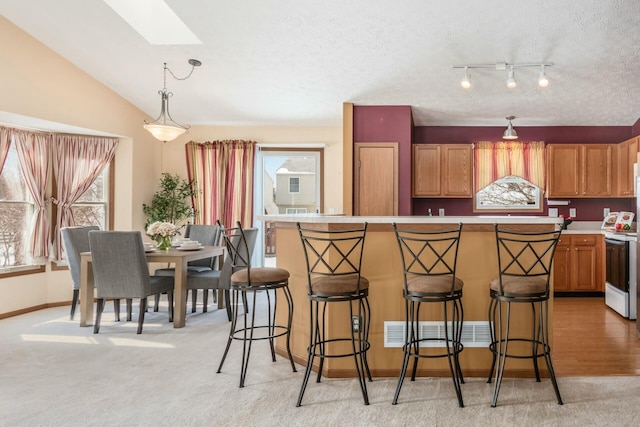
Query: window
x=294, y=185
x=92, y=207
x=16, y=210
x=510, y=193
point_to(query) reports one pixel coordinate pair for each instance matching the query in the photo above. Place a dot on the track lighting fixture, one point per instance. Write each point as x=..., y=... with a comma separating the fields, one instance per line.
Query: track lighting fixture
x=543, y=81
x=510, y=132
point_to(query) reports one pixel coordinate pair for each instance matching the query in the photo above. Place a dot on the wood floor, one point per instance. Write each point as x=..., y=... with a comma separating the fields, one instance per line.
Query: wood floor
x=590, y=339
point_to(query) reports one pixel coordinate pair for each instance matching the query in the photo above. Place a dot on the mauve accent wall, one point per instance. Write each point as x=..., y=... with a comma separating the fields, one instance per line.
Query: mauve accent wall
x=395, y=124
x=389, y=124
x=586, y=209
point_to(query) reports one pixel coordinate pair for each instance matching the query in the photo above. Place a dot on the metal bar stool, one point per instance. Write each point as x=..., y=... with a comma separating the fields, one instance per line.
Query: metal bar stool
x=334, y=260
x=524, y=263
x=244, y=280
x=429, y=261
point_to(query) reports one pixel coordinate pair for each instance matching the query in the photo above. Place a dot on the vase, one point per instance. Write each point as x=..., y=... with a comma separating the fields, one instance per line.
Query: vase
x=164, y=242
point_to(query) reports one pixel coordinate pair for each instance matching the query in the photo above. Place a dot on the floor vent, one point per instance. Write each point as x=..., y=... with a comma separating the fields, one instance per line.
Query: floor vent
x=474, y=334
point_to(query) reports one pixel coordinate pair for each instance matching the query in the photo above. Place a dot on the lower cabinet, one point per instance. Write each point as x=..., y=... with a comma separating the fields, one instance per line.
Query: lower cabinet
x=578, y=263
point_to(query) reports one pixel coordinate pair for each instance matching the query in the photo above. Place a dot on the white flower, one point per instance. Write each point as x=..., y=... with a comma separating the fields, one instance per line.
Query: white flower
x=162, y=229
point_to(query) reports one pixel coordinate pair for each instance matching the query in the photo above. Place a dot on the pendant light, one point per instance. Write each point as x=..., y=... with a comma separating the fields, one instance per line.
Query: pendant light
x=510, y=132
x=164, y=128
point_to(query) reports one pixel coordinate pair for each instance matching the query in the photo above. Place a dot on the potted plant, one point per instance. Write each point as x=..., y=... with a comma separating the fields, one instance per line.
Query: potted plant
x=171, y=203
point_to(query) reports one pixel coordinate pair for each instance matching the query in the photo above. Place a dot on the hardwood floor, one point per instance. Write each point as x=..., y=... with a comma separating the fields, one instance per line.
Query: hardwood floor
x=590, y=339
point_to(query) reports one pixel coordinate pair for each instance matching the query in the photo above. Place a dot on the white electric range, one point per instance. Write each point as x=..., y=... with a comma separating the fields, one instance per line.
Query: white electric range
x=621, y=273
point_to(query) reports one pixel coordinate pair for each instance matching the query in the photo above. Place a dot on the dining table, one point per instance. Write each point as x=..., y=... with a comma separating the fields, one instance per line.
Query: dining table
x=176, y=256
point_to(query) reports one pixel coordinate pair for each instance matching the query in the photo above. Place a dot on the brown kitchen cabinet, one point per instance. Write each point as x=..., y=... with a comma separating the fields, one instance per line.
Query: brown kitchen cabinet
x=442, y=171
x=578, y=264
x=580, y=170
x=627, y=153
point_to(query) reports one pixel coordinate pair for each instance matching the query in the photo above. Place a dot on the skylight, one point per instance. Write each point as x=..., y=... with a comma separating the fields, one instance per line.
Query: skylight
x=155, y=21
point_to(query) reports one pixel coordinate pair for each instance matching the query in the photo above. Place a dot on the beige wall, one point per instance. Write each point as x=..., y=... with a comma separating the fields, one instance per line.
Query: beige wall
x=37, y=83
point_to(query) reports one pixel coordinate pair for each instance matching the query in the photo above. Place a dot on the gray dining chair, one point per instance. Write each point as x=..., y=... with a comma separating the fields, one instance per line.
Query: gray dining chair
x=120, y=270
x=75, y=241
x=220, y=279
x=207, y=235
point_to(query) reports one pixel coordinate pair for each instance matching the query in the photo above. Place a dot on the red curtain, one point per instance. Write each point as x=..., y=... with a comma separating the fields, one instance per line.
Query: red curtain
x=222, y=173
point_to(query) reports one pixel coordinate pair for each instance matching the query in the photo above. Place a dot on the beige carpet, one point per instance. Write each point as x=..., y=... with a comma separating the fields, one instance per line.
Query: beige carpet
x=54, y=373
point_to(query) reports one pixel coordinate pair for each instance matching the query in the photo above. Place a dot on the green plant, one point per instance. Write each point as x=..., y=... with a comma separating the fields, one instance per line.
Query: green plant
x=172, y=202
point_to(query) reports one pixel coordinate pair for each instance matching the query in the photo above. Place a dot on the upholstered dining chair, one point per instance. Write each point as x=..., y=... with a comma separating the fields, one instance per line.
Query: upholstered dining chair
x=120, y=270
x=220, y=279
x=75, y=241
x=207, y=235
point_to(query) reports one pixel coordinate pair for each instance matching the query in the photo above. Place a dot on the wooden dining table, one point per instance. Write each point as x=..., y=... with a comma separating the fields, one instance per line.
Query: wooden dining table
x=180, y=259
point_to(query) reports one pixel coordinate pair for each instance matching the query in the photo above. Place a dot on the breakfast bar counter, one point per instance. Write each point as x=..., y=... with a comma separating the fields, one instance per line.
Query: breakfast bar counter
x=477, y=265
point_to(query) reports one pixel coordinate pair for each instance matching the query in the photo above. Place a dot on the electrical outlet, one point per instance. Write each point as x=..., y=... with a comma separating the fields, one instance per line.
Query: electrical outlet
x=441, y=211
x=355, y=323
x=572, y=212
x=607, y=211
x=553, y=212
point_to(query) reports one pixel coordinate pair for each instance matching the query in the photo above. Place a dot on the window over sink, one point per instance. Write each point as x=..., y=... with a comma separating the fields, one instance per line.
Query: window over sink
x=510, y=193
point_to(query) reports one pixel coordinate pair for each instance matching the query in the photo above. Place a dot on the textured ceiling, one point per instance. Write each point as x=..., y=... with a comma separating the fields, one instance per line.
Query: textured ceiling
x=295, y=62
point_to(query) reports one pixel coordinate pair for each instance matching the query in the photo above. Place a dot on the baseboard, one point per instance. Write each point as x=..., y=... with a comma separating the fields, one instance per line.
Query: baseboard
x=33, y=308
x=579, y=294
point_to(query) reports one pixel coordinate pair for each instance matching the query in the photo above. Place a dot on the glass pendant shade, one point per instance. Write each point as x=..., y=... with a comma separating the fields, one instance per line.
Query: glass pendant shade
x=164, y=128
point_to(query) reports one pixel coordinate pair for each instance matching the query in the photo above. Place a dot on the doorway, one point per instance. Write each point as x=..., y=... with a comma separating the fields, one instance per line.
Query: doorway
x=287, y=182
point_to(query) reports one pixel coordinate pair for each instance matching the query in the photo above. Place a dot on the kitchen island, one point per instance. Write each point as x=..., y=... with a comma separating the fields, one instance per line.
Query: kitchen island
x=477, y=264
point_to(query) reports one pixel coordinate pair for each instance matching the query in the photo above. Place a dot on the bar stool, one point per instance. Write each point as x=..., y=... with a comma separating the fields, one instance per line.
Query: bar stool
x=429, y=261
x=247, y=280
x=334, y=260
x=524, y=263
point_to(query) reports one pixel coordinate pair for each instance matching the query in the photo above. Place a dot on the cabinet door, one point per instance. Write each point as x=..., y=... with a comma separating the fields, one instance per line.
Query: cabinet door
x=584, y=263
x=624, y=173
x=627, y=156
x=564, y=170
x=562, y=266
x=426, y=170
x=456, y=170
x=597, y=172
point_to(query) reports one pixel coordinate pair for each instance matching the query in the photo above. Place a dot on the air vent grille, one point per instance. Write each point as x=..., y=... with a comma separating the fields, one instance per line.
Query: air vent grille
x=474, y=334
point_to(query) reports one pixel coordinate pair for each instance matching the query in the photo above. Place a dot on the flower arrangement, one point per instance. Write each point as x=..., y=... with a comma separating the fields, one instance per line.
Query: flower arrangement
x=162, y=232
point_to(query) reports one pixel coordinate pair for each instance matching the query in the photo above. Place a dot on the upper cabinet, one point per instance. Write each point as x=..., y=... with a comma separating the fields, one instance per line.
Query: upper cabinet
x=442, y=170
x=580, y=170
x=627, y=153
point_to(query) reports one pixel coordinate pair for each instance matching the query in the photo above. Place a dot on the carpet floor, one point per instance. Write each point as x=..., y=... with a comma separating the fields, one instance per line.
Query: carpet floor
x=54, y=373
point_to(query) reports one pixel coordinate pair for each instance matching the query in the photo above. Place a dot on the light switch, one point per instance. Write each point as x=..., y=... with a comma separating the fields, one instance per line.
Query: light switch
x=553, y=212
x=572, y=212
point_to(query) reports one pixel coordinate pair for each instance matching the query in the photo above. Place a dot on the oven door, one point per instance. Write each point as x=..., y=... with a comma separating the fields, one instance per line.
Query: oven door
x=617, y=260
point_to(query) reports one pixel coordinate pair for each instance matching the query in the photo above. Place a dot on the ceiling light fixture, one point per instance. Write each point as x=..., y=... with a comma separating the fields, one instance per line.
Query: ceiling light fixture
x=164, y=128
x=511, y=81
x=510, y=132
x=466, y=83
x=543, y=81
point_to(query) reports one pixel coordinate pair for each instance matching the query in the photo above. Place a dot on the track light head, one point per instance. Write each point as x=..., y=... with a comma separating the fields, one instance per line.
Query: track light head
x=511, y=81
x=543, y=81
x=466, y=82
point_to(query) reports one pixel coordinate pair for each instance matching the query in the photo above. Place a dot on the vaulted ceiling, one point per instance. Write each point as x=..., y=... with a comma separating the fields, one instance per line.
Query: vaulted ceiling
x=295, y=62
